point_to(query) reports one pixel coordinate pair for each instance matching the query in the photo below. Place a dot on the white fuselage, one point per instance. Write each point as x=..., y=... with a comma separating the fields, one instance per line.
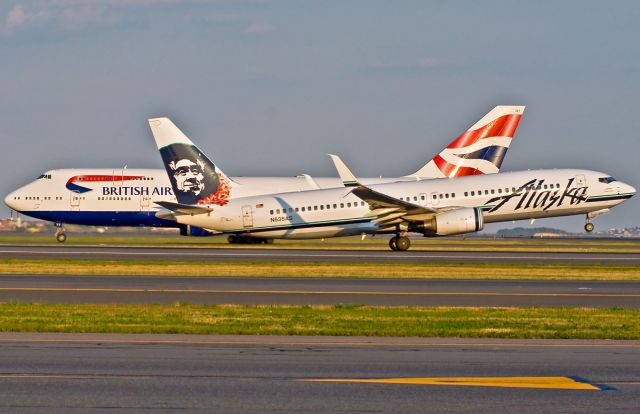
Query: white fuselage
x=126, y=197
x=338, y=212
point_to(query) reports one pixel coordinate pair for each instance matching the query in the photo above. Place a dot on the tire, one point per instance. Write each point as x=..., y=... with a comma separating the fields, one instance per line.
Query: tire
x=403, y=243
x=232, y=239
x=392, y=243
x=61, y=237
x=589, y=227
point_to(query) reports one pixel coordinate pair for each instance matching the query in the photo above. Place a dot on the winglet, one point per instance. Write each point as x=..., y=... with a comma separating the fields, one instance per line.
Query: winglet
x=348, y=179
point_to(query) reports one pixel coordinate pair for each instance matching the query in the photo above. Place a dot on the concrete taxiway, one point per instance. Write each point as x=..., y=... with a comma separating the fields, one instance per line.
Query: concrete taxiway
x=328, y=291
x=247, y=374
x=292, y=255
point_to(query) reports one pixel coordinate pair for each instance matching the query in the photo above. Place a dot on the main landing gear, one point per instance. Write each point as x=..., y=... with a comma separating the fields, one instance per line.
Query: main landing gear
x=236, y=239
x=588, y=227
x=61, y=236
x=399, y=243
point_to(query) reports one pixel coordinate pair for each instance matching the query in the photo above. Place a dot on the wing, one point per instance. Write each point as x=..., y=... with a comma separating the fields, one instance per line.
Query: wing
x=387, y=210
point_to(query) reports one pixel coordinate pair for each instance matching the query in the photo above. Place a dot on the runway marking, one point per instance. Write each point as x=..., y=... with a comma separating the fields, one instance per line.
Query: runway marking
x=316, y=292
x=564, y=383
x=322, y=255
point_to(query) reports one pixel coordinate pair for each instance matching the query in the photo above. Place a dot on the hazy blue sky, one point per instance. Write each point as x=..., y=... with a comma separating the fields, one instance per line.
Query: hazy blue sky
x=269, y=87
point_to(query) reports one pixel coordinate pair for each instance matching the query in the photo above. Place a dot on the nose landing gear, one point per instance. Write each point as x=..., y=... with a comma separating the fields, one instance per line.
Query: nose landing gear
x=588, y=227
x=61, y=236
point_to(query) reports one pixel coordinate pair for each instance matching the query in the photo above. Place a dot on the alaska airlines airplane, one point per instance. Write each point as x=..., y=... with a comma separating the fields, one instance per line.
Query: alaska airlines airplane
x=128, y=197
x=437, y=207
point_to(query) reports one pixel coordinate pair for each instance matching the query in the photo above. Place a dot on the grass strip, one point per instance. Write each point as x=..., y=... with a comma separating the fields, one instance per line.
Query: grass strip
x=565, y=323
x=316, y=269
x=379, y=243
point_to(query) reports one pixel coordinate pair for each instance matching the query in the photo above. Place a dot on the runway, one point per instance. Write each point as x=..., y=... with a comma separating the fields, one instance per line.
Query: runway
x=315, y=291
x=293, y=255
x=247, y=374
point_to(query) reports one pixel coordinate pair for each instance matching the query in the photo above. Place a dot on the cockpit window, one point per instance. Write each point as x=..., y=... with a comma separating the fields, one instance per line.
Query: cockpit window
x=607, y=180
x=45, y=176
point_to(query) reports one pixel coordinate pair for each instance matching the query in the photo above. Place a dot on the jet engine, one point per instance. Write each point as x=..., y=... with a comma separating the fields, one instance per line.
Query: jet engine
x=449, y=223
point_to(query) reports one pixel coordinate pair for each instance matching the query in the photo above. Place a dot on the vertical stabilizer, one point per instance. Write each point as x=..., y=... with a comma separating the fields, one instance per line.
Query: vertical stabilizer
x=480, y=150
x=194, y=178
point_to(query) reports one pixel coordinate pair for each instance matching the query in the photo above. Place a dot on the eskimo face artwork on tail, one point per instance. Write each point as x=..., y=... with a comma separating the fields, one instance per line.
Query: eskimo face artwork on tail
x=194, y=178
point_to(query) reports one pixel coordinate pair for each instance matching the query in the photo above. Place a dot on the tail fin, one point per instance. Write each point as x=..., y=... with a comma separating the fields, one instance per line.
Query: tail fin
x=195, y=179
x=480, y=150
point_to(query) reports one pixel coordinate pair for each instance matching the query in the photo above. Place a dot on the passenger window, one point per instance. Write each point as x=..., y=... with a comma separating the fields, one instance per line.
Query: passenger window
x=421, y=197
x=466, y=194
x=446, y=195
x=278, y=211
x=296, y=209
x=499, y=190
x=303, y=209
x=341, y=205
x=440, y=196
x=315, y=208
x=415, y=198
x=453, y=195
x=434, y=197
x=348, y=205
x=493, y=191
x=321, y=207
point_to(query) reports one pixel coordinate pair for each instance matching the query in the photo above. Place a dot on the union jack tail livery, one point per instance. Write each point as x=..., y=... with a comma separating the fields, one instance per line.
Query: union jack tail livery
x=194, y=178
x=480, y=150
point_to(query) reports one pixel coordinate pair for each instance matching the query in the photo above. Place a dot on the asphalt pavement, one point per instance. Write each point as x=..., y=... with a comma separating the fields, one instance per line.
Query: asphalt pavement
x=78, y=373
x=316, y=291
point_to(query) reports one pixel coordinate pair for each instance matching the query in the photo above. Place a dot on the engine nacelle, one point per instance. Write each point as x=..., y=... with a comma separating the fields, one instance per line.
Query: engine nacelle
x=449, y=223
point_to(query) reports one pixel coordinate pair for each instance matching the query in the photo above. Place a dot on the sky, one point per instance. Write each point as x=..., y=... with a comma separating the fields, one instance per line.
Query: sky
x=269, y=87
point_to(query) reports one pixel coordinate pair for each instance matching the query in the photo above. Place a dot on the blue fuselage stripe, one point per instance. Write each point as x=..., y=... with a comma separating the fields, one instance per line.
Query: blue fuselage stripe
x=103, y=218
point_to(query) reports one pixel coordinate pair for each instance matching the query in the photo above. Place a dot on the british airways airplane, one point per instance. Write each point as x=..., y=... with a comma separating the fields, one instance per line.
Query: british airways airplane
x=128, y=197
x=436, y=207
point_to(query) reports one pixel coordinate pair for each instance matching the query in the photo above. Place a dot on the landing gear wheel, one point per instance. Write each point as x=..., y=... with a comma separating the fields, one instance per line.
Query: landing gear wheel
x=588, y=227
x=61, y=237
x=392, y=243
x=232, y=239
x=403, y=243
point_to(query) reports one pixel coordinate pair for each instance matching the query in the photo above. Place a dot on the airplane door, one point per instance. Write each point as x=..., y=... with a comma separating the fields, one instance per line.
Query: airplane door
x=581, y=181
x=75, y=200
x=145, y=201
x=434, y=198
x=247, y=216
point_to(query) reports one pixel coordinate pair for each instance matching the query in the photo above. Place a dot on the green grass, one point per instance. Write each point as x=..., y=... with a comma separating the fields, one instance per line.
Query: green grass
x=315, y=269
x=569, y=323
x=376, y=243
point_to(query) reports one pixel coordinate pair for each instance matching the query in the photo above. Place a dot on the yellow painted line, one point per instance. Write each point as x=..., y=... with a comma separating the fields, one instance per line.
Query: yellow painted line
x=316, y=292
x=564, y=383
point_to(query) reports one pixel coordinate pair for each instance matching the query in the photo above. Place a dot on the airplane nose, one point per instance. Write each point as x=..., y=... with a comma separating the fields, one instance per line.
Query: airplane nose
x=9, y=201
x=630, y=190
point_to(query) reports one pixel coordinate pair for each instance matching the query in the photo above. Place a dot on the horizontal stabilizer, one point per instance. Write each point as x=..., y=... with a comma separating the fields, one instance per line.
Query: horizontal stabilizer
x=184, y=208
